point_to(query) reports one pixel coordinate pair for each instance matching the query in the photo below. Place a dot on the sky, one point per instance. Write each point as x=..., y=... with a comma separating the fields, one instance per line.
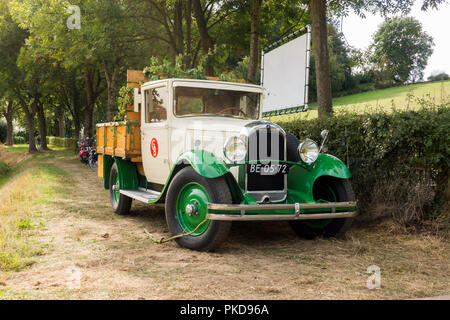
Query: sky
x=436, y=23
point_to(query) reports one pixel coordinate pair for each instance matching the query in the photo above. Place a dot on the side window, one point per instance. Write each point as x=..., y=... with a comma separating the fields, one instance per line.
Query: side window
x=156, y=105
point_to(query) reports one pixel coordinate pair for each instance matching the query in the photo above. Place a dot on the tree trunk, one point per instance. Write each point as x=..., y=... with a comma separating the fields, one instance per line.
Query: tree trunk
x=178, y=27
x=31, y=143
x=318, y=10
x=77, y=129
x=9, y=131
x=29, y=115
x=9, y=114
x=61, y=124
x=205, y=39
x=76, y=114
x=188, y=18
x=110, y=111
x=111, y=79
x=42, y=125
x=90, y=103
x=75, y=111
x=74, y=103
x=88, y=118
x=255, y=15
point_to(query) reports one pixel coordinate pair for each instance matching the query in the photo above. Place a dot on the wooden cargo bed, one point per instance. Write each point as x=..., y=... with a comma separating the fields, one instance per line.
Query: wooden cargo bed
x=119, y=139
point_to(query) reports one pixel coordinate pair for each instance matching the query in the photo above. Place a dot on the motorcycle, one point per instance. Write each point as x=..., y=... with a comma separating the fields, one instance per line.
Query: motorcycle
x=87, y=154
x=83, y=151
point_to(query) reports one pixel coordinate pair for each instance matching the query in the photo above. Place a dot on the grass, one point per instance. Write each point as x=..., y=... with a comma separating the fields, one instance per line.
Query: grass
x=384, y=99
x=61, y=152
x=4, y=170
x=17, y=157
x=25, y=190
x=63, y=204
x=17, y=148
x=22, y=201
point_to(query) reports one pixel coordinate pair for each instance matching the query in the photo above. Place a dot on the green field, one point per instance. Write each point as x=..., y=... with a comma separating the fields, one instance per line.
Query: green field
x=385, y=99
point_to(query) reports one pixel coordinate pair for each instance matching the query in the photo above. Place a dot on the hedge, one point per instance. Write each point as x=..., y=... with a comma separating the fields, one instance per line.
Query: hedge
x=62, y=142
x=399, y=160
x=20, y=140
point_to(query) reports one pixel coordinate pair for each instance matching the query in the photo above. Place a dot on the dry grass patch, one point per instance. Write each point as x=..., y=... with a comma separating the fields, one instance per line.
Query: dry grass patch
x=23, y=202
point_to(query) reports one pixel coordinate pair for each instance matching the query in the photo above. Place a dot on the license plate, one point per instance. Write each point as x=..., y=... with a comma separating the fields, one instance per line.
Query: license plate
x=268, y=169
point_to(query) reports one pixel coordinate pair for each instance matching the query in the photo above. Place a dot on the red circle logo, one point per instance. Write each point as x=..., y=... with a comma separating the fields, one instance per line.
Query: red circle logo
x=154, y=149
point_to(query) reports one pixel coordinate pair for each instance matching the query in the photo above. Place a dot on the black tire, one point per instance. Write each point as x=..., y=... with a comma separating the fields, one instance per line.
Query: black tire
x=310, y=229
x=123, y=204
x=93, y=165
x=218, y=192
x=292, y=144
x=93, y=162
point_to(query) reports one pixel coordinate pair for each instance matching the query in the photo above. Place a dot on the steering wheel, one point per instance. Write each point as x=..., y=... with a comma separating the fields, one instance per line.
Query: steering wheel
x=233, y=108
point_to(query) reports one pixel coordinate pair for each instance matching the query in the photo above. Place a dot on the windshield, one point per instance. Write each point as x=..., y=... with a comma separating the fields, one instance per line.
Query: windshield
x=215, y=102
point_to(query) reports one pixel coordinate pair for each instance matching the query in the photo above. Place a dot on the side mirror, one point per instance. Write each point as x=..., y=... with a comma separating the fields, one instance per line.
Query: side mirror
x=324, y=135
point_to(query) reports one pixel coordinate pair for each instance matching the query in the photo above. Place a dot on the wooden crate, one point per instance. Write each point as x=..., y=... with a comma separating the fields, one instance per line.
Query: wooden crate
x=134, y=78
x=119, y=139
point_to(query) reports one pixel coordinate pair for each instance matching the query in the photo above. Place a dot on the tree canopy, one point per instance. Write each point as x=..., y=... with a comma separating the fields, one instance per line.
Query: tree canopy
x=402, y=47
x=64, y=77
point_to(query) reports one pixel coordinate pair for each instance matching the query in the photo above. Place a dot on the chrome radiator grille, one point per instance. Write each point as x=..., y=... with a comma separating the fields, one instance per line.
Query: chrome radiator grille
x=266, y=149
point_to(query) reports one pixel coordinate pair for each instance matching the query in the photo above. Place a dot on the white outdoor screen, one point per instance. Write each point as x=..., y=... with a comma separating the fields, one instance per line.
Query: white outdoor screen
x=285, y=75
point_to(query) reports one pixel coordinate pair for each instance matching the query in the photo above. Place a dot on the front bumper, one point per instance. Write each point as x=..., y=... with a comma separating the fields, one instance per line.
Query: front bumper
x=227, y=212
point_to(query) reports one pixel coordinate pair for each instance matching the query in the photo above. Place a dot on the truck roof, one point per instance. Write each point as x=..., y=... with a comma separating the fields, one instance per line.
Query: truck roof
x=213, y=84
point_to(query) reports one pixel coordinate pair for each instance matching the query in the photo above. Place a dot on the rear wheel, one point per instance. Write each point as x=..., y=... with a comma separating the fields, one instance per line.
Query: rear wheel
x=327, y=189
x=186, y=209
x=93, y=161
x=120, y=203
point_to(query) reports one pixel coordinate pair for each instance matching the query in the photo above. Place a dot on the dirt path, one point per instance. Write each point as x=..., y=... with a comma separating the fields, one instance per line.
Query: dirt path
x=93, y=254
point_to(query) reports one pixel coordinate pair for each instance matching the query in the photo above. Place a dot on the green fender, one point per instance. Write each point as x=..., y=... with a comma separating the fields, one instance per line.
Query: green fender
x=108, y=162
x=301, y=178
x=128, y=179
x=204, y=163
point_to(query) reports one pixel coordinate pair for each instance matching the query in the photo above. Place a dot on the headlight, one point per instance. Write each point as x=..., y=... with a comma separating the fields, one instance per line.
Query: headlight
x=308, y=151
x=235, y=149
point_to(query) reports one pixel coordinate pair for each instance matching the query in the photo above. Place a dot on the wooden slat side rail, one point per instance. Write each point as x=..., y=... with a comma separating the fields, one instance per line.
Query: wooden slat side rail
x=119, y=139
x=100, y=166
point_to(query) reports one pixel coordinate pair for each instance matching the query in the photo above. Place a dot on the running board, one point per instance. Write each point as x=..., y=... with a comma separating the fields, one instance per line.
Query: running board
x=147, y=196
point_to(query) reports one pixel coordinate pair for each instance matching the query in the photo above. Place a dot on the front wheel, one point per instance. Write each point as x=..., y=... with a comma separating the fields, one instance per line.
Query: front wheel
x=120, y=203
x=186, y=209
x=327, y=189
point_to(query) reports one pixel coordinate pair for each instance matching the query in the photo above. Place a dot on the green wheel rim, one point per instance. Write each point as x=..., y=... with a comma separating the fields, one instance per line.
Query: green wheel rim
x=193, y=194
x=116, y=188
x=331, y=197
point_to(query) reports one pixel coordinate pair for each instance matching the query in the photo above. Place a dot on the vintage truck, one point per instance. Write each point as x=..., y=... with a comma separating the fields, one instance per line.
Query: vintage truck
x=202, y=148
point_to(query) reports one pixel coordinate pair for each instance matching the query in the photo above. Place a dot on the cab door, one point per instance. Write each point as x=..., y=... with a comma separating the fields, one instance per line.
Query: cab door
x=155, y=134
